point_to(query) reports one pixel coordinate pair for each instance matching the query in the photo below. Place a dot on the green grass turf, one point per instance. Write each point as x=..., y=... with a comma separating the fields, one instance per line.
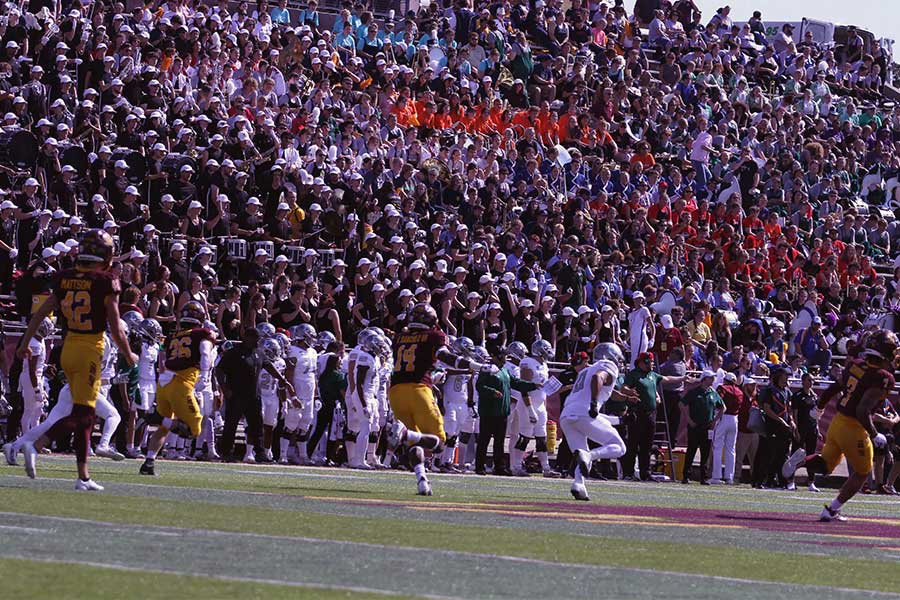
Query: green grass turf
x=31, y=579
x=346, y=505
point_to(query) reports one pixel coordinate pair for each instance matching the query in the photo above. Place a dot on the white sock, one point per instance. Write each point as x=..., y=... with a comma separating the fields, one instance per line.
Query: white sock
x=515, y=458
x=612, y=451
x=351, y=452
x=388, y=458
x=249, y=452
x=447, y=455
x=285, y=446
x=835, y=505
x=302, y=450
x=419, y=470
x=545, y=460
x=146, y=437
x=413, y=437
x=151, y=454
x=463, y=458
x=370, y=451
x=579, y=478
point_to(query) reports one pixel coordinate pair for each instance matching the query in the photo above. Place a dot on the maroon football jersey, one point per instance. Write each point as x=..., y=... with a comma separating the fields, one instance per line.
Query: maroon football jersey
x=860, y=376
x=415, y=355
x=82, y=299
x=183, y=348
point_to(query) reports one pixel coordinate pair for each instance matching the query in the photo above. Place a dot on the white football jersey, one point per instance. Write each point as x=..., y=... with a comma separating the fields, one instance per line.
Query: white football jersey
x=456, y=388
x=579, y=401
x=305, y=369
x=204, y=382
x=540, y=372
x=147, y=362
x=109, y=359
x=361, y=358
x=39, y=352
x=268, y=383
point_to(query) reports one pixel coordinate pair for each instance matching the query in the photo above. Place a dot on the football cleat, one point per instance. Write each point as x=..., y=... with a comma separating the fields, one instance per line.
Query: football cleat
x=10, y=453
x=133, y=453
x=551, y=474
x=108, y=452
x=520, y=472
x=791, y=465
x=396, y=435
x=831, y=515
x=87, y=486
x=424, y=488
x=791, y=487
x=579, y=492
x=148, y=467
x=30, y=459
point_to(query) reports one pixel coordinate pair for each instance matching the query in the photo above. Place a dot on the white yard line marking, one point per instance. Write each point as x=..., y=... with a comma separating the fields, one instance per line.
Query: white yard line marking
x=25, y=529
x=459, y=554
x=255, y=580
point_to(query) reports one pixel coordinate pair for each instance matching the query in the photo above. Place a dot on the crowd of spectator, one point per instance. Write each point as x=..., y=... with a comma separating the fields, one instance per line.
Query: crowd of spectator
x=676, y=184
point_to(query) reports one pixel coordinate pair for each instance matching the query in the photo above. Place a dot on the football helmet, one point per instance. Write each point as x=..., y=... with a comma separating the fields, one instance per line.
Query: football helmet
x=303, y=333
x=151, y=330
x=610, y=352
x=265, y=330
x=284, y=340
x=133, y=318
x=324, y=339
x=422, y=316
x=882, y=344
x=368, y=340
x=96, y=246
x=192, y=313
x=517, y=350
x=542, y=349
x=270, y=350
x=463, y=346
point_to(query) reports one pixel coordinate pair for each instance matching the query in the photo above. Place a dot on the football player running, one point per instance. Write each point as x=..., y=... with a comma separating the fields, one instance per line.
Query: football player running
x=581, y=419
x=87, y=297
x=418, y=424
x=302, y=361
x=188, y=352
x=532, y=419
x=863, y=387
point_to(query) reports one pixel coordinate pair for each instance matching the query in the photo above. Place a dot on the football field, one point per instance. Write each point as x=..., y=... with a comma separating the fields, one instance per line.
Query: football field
x=209, y=530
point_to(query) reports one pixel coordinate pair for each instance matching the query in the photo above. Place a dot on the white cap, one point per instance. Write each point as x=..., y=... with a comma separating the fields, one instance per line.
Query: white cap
x=363, y=262
x=109, y=223
x=260, y=252
x=120, y=164
x=405, y=293
x=584, y=309
x=194, y=205
x=31, y=181
x=666, y=321
x=6, y=204
x=283, y=206
x=132, y=190
x=526, y=303
x=281, y=258
x=253, y=201
x=149, y=227
x=421, y=290
x=177, y=247
x=49, y=252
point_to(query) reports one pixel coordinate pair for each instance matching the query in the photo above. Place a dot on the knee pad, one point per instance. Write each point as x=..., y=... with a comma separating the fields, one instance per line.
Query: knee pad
x=154, y=418
x=350, y=436
x=540, y=444
x=464, y=437
x=522, y=443
x=451, y=441
x=373, y=437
